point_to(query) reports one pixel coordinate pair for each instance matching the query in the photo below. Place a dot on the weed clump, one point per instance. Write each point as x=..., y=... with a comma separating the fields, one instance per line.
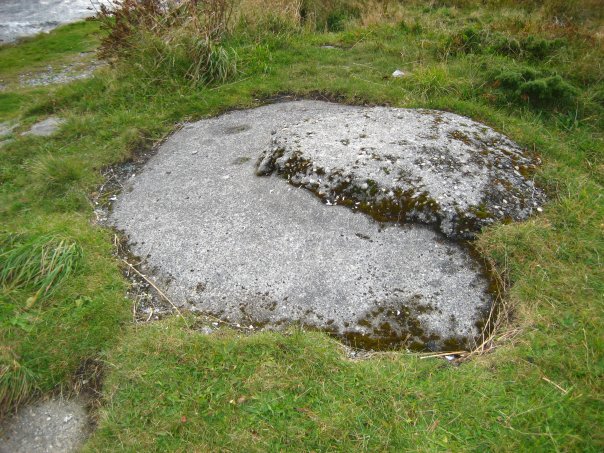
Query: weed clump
x=170, y=39
x=471, y=40
x=536, y=87
x=16, y=381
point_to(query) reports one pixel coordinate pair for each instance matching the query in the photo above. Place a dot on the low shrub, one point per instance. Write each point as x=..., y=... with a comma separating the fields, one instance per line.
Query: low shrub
x=329, y=15
x=414, y=28
x=479, y=41
x=569, y=10
x=536, y=87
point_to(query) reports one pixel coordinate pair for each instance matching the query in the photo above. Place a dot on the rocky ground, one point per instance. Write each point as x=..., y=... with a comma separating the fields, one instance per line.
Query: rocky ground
x=82, y=68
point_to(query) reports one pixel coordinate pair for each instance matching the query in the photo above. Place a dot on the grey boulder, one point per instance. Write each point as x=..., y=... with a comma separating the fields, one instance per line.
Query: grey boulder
x=406, y=165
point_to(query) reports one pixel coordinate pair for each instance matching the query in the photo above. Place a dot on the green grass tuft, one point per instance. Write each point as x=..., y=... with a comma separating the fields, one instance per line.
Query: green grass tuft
x=16, y=382
x=39, y=263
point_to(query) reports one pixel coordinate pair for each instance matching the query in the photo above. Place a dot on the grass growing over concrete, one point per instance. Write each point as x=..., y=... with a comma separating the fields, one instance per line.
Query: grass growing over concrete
x=170, y=388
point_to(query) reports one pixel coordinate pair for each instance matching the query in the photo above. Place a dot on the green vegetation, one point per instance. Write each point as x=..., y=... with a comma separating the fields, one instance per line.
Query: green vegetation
x=35, y=54
x=533, y=72
x=182, y=42
x=42, y=263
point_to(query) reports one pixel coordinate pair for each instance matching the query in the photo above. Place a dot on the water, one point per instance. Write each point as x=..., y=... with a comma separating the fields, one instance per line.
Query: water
x=19, y=18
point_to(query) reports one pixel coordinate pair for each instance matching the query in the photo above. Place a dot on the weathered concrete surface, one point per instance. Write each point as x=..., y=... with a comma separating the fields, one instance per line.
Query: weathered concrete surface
x=45, y=128
x=54, y=426
x=408, y=165
x=256, y=250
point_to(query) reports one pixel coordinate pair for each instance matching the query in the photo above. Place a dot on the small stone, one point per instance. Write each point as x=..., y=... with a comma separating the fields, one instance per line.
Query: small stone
x=398, y=73
x=45, y=128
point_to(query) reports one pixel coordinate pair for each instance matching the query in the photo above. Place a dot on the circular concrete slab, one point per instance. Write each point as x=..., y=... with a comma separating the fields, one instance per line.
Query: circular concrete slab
x=259, y=251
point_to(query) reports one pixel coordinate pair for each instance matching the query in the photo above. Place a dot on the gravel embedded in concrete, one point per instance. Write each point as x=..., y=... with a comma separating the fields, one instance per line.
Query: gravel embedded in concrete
x=259, y=251
x=54, y=426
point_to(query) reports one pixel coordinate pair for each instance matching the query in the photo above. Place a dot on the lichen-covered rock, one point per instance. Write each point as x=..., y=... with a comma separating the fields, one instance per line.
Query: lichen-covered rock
x=405, y=165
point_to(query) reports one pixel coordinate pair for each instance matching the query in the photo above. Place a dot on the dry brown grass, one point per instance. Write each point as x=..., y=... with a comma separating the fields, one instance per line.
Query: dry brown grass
x=256, y=9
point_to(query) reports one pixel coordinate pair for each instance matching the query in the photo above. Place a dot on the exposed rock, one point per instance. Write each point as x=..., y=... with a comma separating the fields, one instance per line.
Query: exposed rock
x=45, y=128
x=405, y=165
x=54, y=426
x=67, y=73
x=205, y=330
x=6, y=128
x=258, y=251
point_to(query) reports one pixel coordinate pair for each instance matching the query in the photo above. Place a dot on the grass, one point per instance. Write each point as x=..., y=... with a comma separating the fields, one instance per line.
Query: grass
x=41, y=263
x=58, y=47
x=299, y=392
x=169, y=388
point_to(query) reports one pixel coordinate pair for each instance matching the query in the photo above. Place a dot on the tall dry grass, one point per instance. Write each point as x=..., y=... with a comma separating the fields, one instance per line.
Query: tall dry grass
x=170, y=39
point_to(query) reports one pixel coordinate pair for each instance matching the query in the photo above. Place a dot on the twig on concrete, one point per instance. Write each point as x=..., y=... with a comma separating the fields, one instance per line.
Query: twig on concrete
x=159, y=291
